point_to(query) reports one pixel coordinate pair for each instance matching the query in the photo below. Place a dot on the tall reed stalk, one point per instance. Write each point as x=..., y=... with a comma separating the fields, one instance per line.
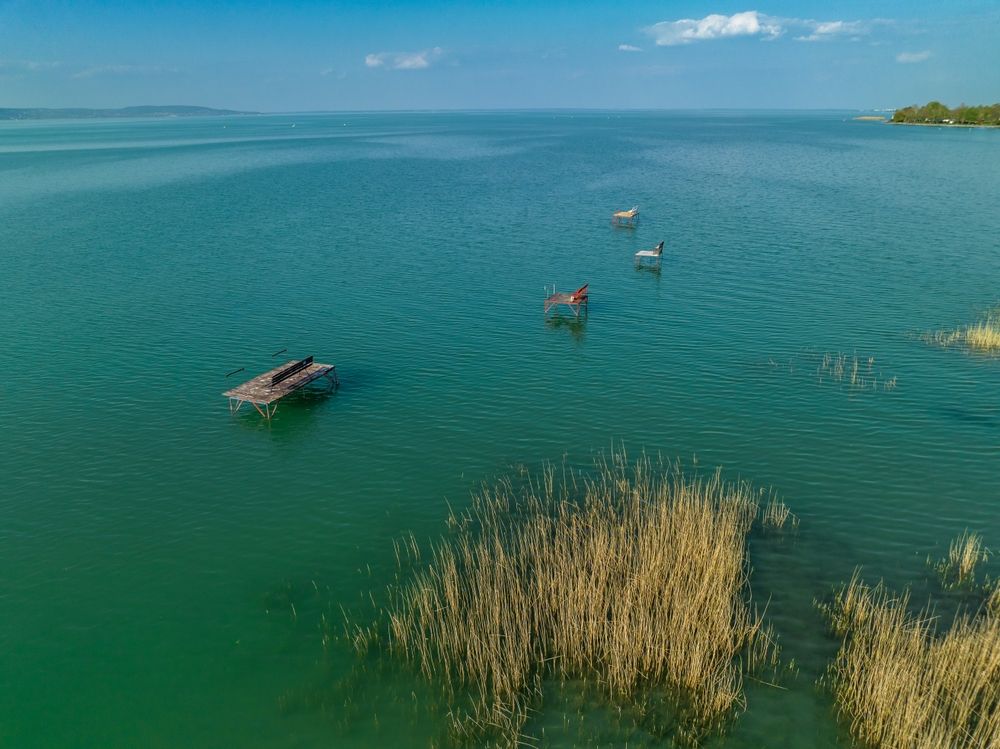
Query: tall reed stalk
x=636, y=577
x=851, y=371
x=776, y=514
x=964, y=555
x=902, y=683
x=993, y=600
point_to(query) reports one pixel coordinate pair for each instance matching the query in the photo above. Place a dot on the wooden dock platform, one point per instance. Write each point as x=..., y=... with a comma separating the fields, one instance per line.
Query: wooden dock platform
x=626, y=218
x=265, y=390
x=574, y=300
x=654, y=255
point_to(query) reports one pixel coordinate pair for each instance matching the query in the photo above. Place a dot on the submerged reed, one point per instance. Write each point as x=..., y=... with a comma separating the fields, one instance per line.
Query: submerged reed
x=904, y=684
x=964, y=554
x=637, y=578
x=776, y=515
x=856, y=373
x=983, y=336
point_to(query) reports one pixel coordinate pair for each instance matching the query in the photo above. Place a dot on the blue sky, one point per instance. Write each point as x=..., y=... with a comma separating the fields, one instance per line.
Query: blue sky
x=296, y=56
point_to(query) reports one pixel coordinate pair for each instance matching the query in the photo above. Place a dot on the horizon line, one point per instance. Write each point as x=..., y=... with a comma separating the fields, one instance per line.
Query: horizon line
x=403, y=110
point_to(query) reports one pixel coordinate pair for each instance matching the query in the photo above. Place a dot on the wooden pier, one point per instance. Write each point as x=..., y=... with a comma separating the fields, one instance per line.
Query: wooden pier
x=574, y=300
x=264, y=391
x=653, y=256
x=626, y=218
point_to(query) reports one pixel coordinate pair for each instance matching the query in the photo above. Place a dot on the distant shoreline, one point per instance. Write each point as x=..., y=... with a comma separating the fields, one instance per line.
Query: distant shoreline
x=942, y=124
x=937, y=114
x=82, y=113
x=887, y=121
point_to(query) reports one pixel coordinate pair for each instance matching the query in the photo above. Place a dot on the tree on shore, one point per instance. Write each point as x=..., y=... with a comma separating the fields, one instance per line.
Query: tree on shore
x=937, y=113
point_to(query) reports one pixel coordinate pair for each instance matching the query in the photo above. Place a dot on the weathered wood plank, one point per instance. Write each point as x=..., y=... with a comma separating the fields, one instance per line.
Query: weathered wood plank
x=260, y=390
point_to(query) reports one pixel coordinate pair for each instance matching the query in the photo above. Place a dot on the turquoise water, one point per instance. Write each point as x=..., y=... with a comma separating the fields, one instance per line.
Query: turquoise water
x=163, y=564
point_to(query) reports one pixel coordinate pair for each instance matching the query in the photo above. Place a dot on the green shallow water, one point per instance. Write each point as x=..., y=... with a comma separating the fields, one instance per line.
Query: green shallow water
x=151, y=544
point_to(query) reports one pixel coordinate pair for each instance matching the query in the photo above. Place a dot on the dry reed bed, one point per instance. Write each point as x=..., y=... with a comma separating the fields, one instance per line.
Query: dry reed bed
x=636, y=578
x=983, y=336
x=993, y=601
x=905, y=684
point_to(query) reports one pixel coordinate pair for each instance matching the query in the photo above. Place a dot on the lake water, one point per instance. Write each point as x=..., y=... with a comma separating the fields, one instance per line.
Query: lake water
x=164, y=564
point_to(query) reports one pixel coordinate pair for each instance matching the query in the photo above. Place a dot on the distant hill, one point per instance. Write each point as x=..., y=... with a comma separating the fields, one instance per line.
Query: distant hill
x=94, y=114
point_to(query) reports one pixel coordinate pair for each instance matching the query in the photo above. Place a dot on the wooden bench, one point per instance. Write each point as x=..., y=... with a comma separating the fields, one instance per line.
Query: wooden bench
x=287, y=372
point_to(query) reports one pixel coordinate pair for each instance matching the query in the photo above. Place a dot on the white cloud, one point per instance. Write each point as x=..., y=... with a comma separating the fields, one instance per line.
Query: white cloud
x=36, y=65
x=911, y=57
x=628, y=48
x=33, y=66
x=404, y=60
x=820, y=31
x=97, y=70
x=715, y=26
x=416, y=61
x=751, y=23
